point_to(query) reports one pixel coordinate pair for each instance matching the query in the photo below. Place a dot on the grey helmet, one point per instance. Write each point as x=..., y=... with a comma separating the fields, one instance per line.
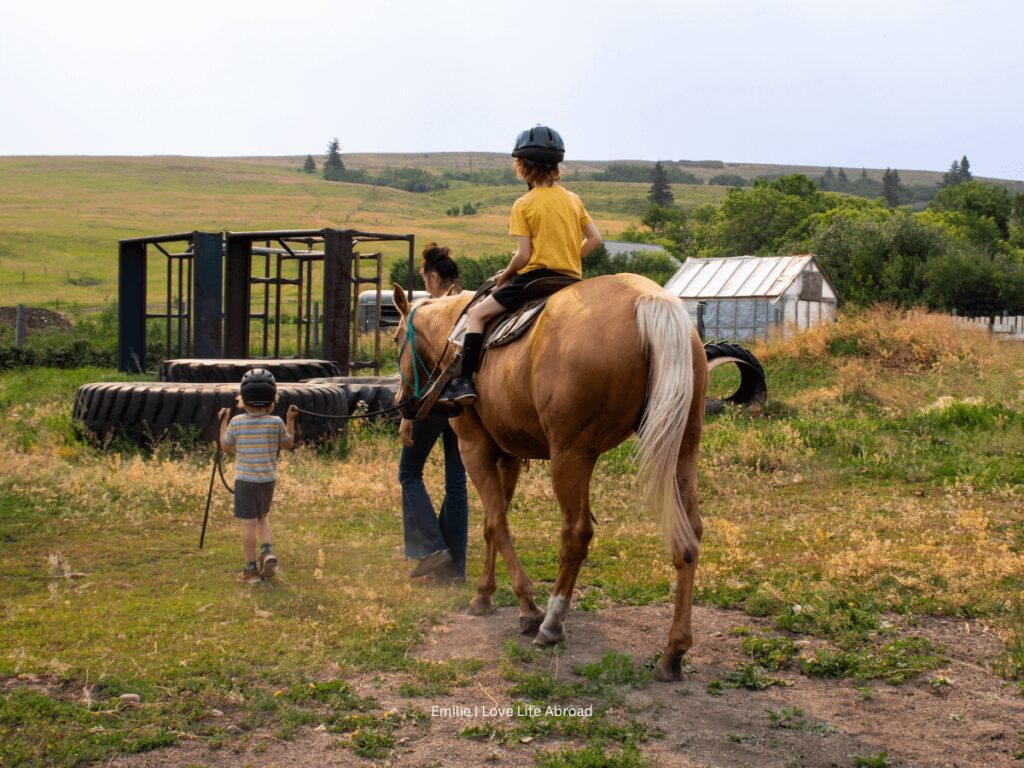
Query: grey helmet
x=541, y=144
x=258, y=387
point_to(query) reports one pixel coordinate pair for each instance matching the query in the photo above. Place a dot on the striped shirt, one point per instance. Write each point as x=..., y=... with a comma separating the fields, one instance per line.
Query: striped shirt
x=256, y=440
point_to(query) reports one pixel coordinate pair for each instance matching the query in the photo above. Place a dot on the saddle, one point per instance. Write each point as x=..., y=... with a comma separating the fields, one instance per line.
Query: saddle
x=506, y=328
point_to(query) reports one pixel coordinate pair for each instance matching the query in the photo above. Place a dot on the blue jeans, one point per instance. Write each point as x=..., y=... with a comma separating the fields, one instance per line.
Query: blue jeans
x=426, y=533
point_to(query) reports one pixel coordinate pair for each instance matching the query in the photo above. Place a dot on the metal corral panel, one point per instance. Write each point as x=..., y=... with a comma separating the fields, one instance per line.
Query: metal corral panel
x=738, y=276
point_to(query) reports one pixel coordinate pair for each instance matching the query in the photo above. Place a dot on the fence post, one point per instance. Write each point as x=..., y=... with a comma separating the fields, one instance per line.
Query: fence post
x=131, y=306
x=208, y=255
x=19, y=325
x=237, y=295
x=338, y=297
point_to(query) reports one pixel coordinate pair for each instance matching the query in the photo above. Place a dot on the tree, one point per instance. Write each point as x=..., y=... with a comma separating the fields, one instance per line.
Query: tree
x=310, y=165
x=965, y=169
x=727, y=180
x=334, y=169
x=891, y=187
x=828, y=181
x=958, y=173
x=842, y=182
x=661, y=192
x=985, y=211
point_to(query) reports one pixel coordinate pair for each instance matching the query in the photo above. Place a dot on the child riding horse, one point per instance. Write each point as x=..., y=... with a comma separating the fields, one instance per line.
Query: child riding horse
x=608, y=357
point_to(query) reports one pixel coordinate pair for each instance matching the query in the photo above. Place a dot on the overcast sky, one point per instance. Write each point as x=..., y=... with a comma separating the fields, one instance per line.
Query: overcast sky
x=876, y=83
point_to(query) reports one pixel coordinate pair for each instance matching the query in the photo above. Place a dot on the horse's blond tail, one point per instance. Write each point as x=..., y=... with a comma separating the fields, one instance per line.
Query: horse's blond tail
x=665, y=333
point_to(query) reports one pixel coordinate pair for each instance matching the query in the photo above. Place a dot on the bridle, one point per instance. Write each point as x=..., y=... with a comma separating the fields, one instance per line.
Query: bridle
x=410, y=406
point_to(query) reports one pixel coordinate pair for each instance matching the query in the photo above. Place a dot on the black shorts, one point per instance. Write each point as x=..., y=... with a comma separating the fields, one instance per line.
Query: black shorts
x=252, y=500
x=510, y=295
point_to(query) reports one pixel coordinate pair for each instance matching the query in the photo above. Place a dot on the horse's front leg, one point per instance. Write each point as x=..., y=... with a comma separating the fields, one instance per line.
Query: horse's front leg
x=494, y=476
x=570, y=475
x=530, y=616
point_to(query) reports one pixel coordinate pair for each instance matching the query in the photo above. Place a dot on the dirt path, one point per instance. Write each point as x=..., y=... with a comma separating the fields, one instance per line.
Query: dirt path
x=973, y=721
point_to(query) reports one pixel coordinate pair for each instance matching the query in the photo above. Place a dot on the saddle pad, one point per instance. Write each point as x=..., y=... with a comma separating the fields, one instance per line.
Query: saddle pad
x=511, y=327
x=507, y=328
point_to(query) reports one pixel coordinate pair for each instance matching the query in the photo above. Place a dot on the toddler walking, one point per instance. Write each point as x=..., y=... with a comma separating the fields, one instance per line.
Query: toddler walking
x=256, y=437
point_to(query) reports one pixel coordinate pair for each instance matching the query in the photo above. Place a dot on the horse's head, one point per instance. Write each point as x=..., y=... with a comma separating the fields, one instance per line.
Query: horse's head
x=421, y=337
x=414, y=365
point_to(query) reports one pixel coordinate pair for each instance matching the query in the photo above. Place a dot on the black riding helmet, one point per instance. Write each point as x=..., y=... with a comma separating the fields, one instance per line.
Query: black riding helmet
x=541, y=144
x=258, y=388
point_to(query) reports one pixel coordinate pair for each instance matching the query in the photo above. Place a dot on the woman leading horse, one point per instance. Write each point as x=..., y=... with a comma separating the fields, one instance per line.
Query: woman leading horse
x=608, y=357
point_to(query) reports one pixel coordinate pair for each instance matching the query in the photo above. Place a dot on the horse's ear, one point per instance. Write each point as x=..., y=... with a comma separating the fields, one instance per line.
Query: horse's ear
x=400, y=299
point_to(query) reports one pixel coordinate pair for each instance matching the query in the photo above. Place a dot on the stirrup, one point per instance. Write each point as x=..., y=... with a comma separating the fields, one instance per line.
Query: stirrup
x=459, y=392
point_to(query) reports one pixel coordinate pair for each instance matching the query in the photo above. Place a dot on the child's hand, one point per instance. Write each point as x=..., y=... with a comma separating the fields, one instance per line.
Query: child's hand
x=223, y=413
x=293, y=411
x=405, y=432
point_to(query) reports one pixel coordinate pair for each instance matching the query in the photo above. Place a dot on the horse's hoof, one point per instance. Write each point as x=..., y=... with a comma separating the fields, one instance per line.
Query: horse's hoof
x=545, y=638
x=481, y=606
x=528, y=625
x=668, y=670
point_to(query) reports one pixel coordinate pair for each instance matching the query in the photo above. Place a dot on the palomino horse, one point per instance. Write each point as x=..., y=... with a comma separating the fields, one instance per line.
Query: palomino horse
x=608, y=357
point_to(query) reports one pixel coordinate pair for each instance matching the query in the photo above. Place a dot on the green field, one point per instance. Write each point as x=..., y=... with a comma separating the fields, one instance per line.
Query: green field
x=61, y=217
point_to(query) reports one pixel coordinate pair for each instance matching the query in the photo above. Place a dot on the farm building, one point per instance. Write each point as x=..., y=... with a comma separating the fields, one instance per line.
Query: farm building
x=744, y=296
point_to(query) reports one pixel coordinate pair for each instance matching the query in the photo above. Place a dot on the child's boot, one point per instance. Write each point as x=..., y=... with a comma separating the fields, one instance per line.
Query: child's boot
x=460, y=390
x=250, y=574
x=267, y=562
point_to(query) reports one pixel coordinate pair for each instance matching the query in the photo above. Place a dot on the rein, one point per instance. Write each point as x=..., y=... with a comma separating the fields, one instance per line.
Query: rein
x=418, y=392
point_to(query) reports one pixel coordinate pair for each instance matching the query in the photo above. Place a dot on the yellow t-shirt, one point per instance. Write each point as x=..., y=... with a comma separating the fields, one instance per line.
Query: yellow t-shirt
x=553, y=218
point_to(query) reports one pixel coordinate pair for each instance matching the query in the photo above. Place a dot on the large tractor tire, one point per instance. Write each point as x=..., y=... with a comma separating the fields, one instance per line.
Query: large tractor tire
x=753, y=387
x=148, y=411
x=200, y=371
x=376, y=393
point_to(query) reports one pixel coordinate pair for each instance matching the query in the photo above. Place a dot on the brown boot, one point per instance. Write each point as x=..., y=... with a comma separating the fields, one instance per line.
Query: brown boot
x=268, y=565
x=431, y=563
x=249, y=575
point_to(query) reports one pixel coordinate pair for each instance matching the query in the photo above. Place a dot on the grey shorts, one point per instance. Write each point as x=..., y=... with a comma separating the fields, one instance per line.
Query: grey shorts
x=252, y=500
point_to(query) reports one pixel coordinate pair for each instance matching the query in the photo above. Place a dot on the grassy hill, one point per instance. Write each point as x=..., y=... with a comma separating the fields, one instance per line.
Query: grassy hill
x=438, y=162
x=61, y=217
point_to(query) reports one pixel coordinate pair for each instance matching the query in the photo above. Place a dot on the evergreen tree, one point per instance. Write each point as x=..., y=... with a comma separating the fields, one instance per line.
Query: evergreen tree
x=661, y=192
x=958, y=173
x=891, y=187
x=334, y=169
x=310, y=165
x=965, y=169
x=842, y=182
x=828, y=181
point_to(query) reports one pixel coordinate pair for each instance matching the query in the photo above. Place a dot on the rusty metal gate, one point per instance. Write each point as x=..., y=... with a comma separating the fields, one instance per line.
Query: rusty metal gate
x=213, y=279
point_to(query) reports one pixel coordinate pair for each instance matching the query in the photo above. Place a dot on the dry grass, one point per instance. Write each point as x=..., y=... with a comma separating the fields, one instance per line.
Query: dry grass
x=884, y=476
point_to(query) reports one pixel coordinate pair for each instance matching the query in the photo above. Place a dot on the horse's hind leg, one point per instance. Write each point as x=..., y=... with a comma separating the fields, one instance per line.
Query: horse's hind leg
x=680, y=636
x=571, y=479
